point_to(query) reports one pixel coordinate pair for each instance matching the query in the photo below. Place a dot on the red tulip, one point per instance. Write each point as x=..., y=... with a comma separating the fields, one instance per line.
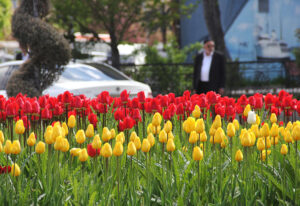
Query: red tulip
x=67, y=97
x=93, y=119
x=135, y=103
x=128, y=122
x=136, y=115
x=91, y=151
x=211, y=97
x=35, y=107
x=180, y=110
x=119, y=114
x=102, y=108
x=167, y=114
x=141, y=97
x=124, y=96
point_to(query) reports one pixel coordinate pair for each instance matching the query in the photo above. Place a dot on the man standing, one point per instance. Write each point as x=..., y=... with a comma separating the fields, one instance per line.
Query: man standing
x=209, y=70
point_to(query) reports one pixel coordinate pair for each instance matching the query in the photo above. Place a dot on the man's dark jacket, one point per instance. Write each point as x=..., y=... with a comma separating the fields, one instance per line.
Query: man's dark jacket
x=216, y=72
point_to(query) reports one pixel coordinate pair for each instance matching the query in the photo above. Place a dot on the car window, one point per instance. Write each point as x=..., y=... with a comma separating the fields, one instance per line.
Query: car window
x=110, y=72
x=83, y=73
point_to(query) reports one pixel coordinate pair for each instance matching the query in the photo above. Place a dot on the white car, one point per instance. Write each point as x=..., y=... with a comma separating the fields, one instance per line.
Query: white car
x=87, y=79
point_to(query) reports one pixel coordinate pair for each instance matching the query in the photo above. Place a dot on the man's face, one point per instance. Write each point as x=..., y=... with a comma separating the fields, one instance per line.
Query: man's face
x=209, y=47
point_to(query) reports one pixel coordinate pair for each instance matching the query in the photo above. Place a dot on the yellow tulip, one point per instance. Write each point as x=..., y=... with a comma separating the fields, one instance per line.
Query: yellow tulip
x=252, y=137
x=137, y=143
x=197, y=112
x=156, y=120
x=219, y=135
x=8, y=147
x=246, y=139
x=264, y=153
x=16, y=147
x=106, y=150
x=296, y=133
x=133, y=135
x=57, y=131
x=274, y=140
x=260, y=144
x=203, y=137
x=131, y=150
x=189, y=125
x=80, y=136
x=40, y=147
x=170, y=145
x=200, y=126
x=284, y=149
x=239, y=156
x=49, y=137
x=112, y=133
x=120, y=137
x=268, y=142
x=255, y=130
x=212, y=131
x=1, y=147
x=274, y=130
x=289, y=125
x=236, y=124
x=1, y=137
x=65, y=145
x=151, y=139
x=150, y=128
x=71, y=121
x=146, y=145
x=65, y=127
x=31, y=140
x=106, y=134
x=168, y=126
x=247, y=110
x=217, y=122
x=118, y=149
x=281, y=131
x=273, y=118
x=58, y=143
x=15, y=170
x=75, y=152
x=163, y=137
x=83, y=155
x=265, y=130
x=257, y=120
x=197, y=154
x=193, y=137
x=19, y=128
x=230, y=130
x=90, y=131
x=170, y=135
x=96, y=144
x=287, y=136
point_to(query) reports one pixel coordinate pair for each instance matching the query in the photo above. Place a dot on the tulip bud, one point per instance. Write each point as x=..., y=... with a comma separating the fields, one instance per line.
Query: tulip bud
x=89, y=131
x=151, y=139
x=255, y=130
x=189, y=125
x=57, y=131
x=137, y=143
x=156, y=120
x=133, y=135
x=219, y=135
x=217, y=122
x=112, y=133
x=265, y=130
x=230, y=130
x=19, y=128
x=168, y=126
x=264, y=154
x=273, y=118
x=171, y=145
x=75, y=152
x=80, y=136
x=40, y=147
x=163, y=137
x=1, y=137
x=247, y=110
x=31, y=140
x=16, y=147
x=96, y=144
x=200, y=126
x=58, y=143
x=65, y=127
x=212, y=131
x=49, y=137
x=203, y=137
x=274, y=130
x=284, y=149
x=251, y=118
x=71, y=121
x=146, y=145
x=120, y=137
x=260, y=144
x=197, y=154
x=193, y=137
x=118, y=149
x=238, y=156
x=236, y=124
x=83, y=155
x=131, y=150
x=287, y=136
x=296, y=133
x=65, y=145
x=15, y=170
x=289, y=125
x=246, y=140
x=106, y=150
x=197, y=112
x=257, y=120
x=170, y=135
x=106, y=134
x=8, y=147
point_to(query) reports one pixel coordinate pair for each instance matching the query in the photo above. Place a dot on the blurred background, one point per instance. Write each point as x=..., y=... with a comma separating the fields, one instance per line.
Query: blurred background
x=155, y=41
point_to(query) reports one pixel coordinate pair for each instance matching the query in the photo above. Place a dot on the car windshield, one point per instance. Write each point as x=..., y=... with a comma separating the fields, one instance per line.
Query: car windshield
x=83, y=73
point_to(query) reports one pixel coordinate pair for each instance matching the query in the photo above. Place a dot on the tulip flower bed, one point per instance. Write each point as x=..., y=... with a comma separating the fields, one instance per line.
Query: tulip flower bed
x=188, y=150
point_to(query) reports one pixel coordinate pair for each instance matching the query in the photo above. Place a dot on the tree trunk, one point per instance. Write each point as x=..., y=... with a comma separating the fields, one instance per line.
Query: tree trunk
x=213, y=24
x=115, y=55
